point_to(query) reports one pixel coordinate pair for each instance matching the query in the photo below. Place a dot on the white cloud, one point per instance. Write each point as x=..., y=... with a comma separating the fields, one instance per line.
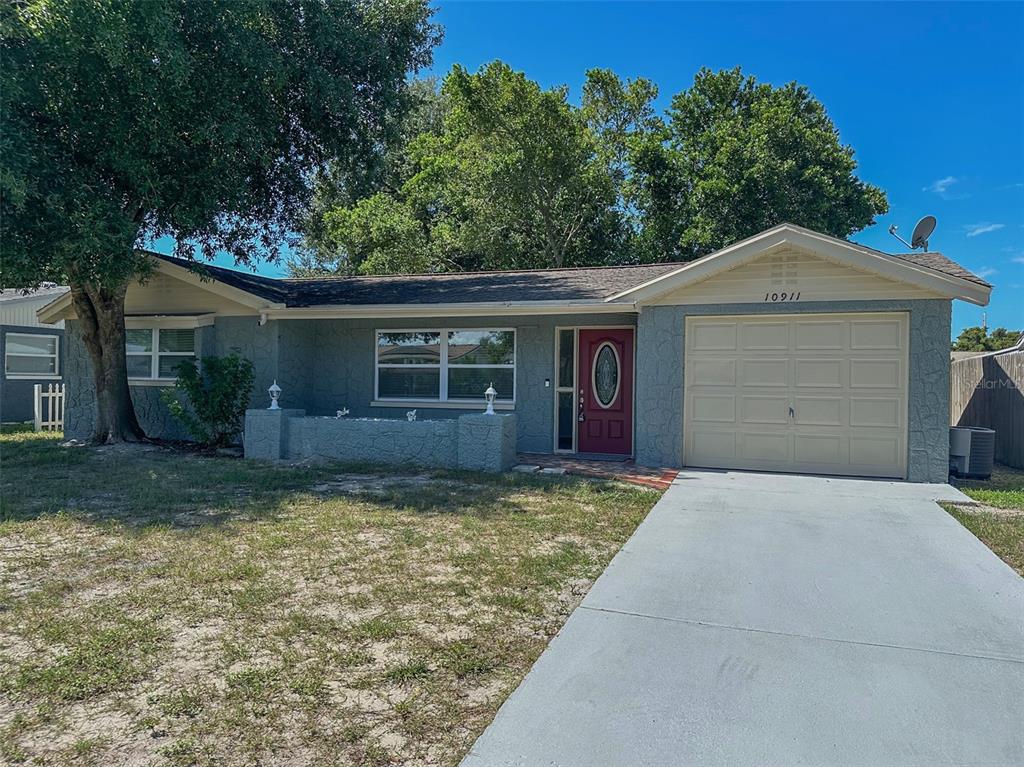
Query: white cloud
x=973, y=230
x=940, y=186
x=1018, y=259
x=986, y=271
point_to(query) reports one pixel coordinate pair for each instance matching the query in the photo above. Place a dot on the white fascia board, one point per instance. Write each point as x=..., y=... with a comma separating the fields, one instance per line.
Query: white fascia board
x=213, y=285
x=174, y=321
x=54, y=311
x=825, y=246
x=488, y=309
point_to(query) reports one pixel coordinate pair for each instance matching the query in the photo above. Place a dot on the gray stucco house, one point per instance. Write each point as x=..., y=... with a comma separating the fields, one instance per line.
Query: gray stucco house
x=788, y=351
x=32, y=352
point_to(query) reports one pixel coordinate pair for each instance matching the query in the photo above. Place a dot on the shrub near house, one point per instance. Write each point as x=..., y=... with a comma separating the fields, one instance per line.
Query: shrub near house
x=216, y=395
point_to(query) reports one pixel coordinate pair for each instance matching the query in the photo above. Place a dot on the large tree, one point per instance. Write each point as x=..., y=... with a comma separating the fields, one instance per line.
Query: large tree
x=503, y=174
x=736, y=157
x=205, y=120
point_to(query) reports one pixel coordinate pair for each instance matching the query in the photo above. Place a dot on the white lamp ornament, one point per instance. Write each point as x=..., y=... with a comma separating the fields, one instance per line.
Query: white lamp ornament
x=275, y=395
x=490, y=396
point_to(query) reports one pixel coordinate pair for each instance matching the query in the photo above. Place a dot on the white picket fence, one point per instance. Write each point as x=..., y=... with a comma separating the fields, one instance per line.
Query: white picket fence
x=49, y=407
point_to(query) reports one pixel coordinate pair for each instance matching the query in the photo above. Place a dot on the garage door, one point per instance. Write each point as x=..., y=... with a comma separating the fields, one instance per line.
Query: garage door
x=821, y=394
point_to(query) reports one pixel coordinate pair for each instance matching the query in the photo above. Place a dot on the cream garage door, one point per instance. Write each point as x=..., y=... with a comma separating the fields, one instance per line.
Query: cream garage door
x=811, y=393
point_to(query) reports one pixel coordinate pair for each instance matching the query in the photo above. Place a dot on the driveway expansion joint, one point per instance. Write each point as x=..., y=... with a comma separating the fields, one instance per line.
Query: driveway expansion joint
x=813, y=637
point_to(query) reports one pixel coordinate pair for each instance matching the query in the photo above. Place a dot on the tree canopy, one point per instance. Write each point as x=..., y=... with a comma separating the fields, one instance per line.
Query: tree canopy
x=736, y=157
x=978, y=339
x=514, y=175
x=201, y=119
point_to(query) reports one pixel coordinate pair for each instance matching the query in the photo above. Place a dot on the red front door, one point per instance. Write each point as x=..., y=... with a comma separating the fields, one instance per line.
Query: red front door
x=605, y=392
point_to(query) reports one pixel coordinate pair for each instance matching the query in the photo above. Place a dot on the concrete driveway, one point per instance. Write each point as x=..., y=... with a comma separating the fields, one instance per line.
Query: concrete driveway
x=758, y=619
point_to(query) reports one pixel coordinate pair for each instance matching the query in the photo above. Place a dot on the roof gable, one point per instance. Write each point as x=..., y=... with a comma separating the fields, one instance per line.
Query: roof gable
x=929, y=272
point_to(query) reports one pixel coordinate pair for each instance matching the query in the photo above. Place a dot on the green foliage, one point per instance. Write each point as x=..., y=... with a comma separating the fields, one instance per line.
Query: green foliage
x=339, y=187
x=217, y=395
x=516, y=175
x=203, y=120
x=737, y=157
x=978, y=339
x=377, y=235
x=504, y=174
x=127, y=121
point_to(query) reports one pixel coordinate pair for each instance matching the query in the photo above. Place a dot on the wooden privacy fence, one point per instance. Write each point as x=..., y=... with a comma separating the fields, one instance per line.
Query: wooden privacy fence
x=989, y=391
x=49, y=407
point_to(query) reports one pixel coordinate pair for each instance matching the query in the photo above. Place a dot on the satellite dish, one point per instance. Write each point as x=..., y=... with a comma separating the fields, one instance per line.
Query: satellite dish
x=919, y=239
x=923, y=230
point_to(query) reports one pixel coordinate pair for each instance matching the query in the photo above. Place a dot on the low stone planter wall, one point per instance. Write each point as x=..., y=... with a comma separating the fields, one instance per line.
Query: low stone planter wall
x=479, y=442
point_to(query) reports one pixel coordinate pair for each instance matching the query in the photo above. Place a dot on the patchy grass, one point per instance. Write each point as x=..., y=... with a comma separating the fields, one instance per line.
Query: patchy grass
x=998, y=520
x=159, y=608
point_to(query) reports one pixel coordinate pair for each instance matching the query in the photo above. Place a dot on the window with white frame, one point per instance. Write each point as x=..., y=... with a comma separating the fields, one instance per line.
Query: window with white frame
x=445, y=365
x=155, y=353
x=30, y=355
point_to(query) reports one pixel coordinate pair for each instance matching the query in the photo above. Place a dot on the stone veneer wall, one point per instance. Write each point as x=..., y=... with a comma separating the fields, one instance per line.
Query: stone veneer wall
x=479, y=442
x=659, y=385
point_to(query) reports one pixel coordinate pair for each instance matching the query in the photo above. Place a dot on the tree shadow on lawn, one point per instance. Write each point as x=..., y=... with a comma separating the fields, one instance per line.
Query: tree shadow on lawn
x=142, y=486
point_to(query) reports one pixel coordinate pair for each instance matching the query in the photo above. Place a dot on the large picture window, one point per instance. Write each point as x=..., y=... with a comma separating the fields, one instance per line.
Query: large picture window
x=445, y=365
x=31, y=356
x=155, y=353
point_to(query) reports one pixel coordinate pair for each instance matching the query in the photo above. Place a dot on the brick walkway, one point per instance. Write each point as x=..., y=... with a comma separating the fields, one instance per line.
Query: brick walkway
x=624, y=471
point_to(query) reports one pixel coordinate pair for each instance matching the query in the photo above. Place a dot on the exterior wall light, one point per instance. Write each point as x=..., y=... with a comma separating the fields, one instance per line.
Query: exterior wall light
x=490, y=396
x=275, y=395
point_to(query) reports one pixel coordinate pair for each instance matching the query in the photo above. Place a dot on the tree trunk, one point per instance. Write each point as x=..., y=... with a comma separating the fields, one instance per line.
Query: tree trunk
x=100, y=312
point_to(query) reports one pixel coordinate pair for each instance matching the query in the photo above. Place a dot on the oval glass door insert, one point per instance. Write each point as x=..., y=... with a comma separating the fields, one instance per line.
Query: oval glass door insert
x=606, y=375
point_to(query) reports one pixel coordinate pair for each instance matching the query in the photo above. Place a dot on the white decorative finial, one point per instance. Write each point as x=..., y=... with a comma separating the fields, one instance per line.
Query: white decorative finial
x=490, y=396
x=411, y=415
x=275, y=394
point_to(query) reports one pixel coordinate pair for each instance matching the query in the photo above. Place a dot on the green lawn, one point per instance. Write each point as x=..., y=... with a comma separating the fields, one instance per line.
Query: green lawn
x=999, y=519
x=159, y=608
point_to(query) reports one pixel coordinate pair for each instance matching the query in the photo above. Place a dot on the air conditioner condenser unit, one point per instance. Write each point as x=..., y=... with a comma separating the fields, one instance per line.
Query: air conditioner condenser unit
x=971, y=451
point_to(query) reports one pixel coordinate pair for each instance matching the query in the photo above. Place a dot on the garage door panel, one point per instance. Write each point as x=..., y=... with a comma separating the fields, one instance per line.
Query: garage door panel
x=714, y=408
x=818, y=411
x=875, y=411
x=764, y=336
x=844, y=375
x=875, y=451
x=765, y=446
x=821, y=334
x=714, y=372
x=713, y=446
x=765, y=372
x=875, y=374
x=764, y=409
x=866, y=335
x=819, y=373
x=821, y=448
x=716, y=336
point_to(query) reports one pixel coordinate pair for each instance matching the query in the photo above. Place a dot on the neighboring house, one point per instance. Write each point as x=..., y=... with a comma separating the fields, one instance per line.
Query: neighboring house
x=788, y=351
x=32, y=352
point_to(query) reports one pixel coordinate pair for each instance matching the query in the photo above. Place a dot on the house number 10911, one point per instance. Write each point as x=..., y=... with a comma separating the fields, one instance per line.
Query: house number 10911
x=776, y=298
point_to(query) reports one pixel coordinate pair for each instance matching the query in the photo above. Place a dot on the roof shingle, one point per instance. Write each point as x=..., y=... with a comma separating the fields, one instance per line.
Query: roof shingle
x=562, y=285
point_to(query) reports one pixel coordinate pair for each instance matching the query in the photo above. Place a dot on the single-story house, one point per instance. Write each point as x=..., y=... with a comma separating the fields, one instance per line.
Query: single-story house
x=788, y=351
x=31, y=350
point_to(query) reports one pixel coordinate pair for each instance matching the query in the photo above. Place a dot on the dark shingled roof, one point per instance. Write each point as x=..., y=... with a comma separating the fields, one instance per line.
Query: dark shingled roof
x=939, y=263
x=578, y=284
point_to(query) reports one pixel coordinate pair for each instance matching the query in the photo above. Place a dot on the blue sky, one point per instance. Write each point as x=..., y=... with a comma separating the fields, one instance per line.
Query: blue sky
x=931, y=96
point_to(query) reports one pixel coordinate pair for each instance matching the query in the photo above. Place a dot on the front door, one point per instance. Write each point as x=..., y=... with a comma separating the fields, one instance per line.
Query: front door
x=605, y=392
